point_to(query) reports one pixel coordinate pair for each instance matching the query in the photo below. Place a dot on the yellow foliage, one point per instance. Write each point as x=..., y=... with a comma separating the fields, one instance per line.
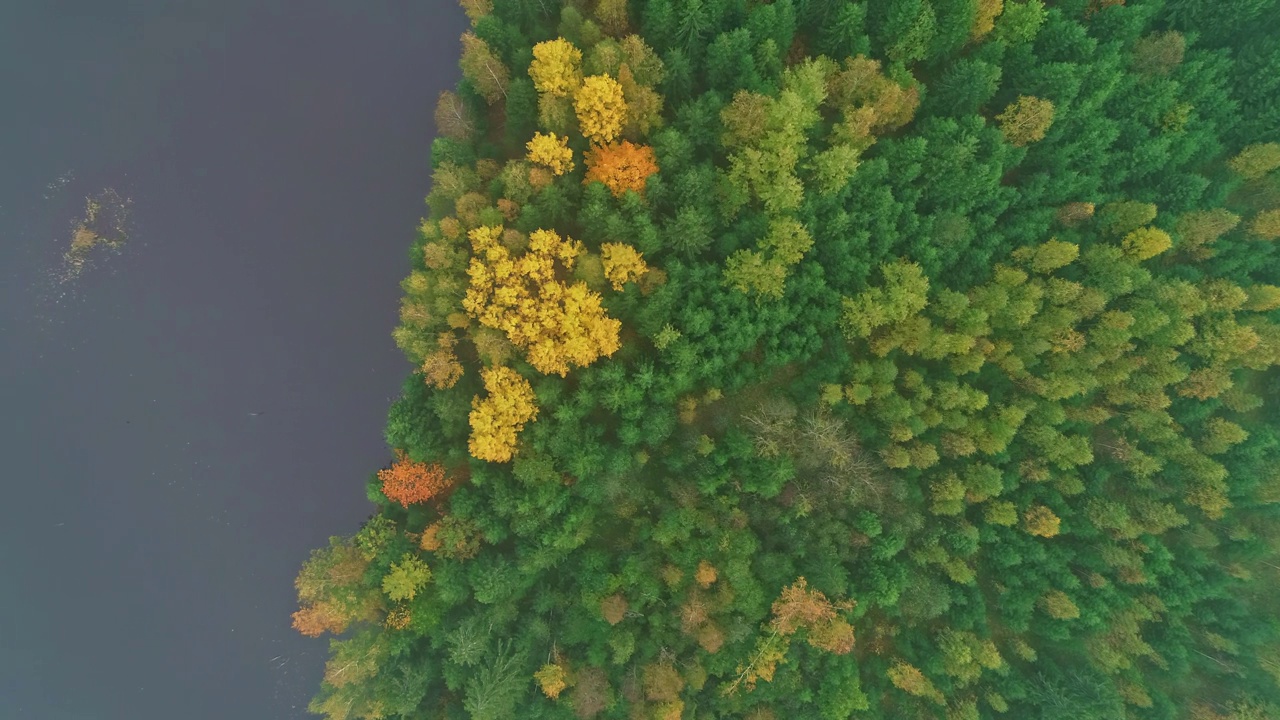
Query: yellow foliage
x=1041, y=521
x=557, y=325
x=622, y=264
x=984, y=20
x=497, y=419
x=441, y=368
x=910, y=680
x=556, y=68
x=551, y=150
x=552, y=679
x=1266, y=225
x=1026, y=120
x=1059, y=605
x=1146, y=243
x=601, y=108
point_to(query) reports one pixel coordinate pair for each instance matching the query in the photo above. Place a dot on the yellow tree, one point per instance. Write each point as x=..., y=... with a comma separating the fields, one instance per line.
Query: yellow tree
x=476, y=9
x=984, y=18
x=556, y=68
x=622, y=264
x=1026, y=120
x=1041, y=521
x=1266, y=225
x=1256, y=160
x=497, y=420
x=551, y=151
x=601, y=108
x=1146, y=243
x=557, y=325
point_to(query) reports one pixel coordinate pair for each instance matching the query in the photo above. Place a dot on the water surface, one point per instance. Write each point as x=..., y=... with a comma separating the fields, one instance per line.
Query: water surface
x=274, y=157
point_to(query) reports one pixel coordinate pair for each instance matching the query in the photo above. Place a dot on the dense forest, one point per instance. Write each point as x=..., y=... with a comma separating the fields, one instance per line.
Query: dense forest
x=822, y=359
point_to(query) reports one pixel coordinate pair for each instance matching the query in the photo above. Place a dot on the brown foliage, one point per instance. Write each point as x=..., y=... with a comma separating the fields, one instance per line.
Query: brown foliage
x=706, y=574
x=711, y=638
x=662, y=682
x=799, y=607
x=1040, y=520
x=453, y=119
x=590, y=692
x=1075, y=212
x=315, y=620
x=408, y=482
x=613, y=608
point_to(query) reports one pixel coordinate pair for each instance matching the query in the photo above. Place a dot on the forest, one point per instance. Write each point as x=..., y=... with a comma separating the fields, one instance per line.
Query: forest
x=832, y=359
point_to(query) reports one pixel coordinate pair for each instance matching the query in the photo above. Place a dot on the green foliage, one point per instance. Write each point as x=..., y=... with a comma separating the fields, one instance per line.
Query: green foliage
x=884, y=350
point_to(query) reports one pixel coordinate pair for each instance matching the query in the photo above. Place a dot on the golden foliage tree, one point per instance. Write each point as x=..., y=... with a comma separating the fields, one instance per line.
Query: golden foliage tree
x=476, y=9
x=1146, y=243
x=552, y=679
x=1026, y=120
x=408, y=482
x=910, y=680
x=621, y=166
x=551, y=151
x=1266, y=225
x=1058, y=604
x=622, y=264
x=984, y=18
x=556, y=68
x=441, y=369
x=1256, y=160
x=497, y=420
x=601, y=108
x=557, y=325
x=1040, y=520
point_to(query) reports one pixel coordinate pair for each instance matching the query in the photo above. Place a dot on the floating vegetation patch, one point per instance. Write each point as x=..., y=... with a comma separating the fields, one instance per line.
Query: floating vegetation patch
x=104, y=228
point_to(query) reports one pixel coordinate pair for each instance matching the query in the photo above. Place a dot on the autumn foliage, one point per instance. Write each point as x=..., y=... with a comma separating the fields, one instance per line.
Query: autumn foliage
x=601, y=108
x=1026, y=120
x=556, y=68
x=497, y=419
x=621, y=166
x=557, y=325
x=552, y=151
x=622, y=264
x=408, y=482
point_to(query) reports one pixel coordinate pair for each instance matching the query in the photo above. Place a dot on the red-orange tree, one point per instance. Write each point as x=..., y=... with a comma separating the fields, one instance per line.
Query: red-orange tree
x=408, y=482
x=621, y=166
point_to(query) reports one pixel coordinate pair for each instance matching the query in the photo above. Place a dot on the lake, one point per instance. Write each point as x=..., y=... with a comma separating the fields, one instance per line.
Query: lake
x=187, y=414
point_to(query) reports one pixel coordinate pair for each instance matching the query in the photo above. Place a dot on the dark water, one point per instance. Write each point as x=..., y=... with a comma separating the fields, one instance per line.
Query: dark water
x=276, y=158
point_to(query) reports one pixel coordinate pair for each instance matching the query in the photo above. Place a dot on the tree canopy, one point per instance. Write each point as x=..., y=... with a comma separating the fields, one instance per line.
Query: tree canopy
x=832, y=359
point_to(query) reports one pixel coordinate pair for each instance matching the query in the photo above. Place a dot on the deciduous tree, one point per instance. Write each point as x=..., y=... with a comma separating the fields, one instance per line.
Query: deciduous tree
x=621, y=166
x=484, y=69
x=601, y=108
x=1026, y=120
